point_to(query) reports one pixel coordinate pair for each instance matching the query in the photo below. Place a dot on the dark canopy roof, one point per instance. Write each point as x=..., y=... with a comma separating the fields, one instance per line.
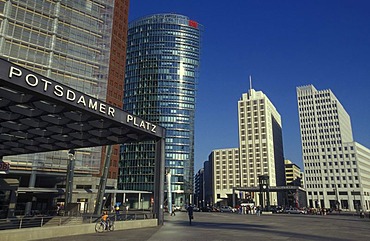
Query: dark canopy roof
x=38, y=114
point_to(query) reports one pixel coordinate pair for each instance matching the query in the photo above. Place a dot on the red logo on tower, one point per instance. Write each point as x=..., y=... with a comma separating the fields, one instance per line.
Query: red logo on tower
x=193, y=24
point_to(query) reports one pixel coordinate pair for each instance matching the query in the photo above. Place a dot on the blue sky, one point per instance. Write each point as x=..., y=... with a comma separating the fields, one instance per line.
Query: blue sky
x=282, y=44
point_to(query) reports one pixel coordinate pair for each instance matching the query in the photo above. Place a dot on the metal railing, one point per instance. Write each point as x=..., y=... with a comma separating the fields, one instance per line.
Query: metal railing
x=41, y=221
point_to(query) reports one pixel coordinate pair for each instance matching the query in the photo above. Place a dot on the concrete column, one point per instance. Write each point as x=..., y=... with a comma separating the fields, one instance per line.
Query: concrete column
x=31, y=183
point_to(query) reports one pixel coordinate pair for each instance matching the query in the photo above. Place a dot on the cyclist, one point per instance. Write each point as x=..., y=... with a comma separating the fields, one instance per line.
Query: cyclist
x=105, y=219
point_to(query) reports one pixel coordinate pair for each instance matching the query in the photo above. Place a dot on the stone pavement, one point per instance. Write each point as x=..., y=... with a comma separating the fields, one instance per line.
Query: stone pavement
x=235, y=227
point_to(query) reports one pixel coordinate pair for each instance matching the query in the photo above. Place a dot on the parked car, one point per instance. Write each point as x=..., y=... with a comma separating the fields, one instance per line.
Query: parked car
x=294, y=211
x=226, y=209
x=206, y=209
x=277, y=209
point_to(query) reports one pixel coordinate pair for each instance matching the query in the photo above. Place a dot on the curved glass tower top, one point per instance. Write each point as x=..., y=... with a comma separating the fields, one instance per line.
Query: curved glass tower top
x=163, y=52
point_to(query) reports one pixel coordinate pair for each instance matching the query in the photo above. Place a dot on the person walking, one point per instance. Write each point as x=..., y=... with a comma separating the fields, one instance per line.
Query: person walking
x=117, y=209
x=258, y=211
x=190, y=210
x=117, y=212
x=173, y=211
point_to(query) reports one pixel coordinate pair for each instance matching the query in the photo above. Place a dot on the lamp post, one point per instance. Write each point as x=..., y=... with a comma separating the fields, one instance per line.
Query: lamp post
x=69, y=180
x=264, y=188
x=104, y=201
x=126, y=207
x=169, y=191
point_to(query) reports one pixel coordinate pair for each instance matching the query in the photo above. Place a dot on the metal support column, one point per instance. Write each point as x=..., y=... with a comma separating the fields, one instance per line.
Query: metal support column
x=159, y=181
x=70, y=174
x=103, y=181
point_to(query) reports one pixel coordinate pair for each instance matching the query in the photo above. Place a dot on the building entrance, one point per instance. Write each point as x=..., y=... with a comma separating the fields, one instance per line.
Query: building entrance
x=38, y=114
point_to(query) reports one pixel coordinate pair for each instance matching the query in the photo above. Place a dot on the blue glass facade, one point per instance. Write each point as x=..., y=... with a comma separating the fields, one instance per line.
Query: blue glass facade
x=163, y=53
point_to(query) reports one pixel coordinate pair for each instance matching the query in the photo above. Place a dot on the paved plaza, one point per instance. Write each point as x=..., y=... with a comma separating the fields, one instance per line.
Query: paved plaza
x=235, y=227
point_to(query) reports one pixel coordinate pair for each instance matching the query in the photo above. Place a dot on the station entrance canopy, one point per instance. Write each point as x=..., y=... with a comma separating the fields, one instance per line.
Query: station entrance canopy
x=38, y=114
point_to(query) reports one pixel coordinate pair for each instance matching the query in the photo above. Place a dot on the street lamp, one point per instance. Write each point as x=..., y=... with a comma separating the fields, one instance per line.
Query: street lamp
x=104, y=201
x=263, y=181
x=127, y=207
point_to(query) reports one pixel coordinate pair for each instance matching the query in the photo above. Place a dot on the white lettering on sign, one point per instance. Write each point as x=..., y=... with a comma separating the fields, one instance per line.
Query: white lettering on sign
x=141, y=123
x=71, y=96
x=58, y=90
x=81, y=100
x=33, y=80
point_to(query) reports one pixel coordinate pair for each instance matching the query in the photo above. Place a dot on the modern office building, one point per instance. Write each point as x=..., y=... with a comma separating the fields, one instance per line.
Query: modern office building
x=292, y=173
x=208, y=184
x=336, y=168
x=260, y=153
x=225, y=165
x=163, y=53
x=260, y=142
x=199, y=188
x=81, y=44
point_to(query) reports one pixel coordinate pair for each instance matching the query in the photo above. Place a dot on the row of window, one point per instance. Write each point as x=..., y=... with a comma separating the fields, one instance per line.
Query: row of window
x=254, y=102
x=311, y=102
x=322, y=143
x=341, y=193
x=336, y=163
x=338, y=178
x=342, y=171
x=332, y=185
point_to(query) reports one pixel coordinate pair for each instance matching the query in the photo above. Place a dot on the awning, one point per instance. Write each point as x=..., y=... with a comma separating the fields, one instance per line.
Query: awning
x=38, y=114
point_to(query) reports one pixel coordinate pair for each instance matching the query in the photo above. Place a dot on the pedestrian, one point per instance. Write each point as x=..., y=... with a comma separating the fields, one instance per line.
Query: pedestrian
x=258, y=211
x=173, y=211
x=117, y=209
x=190, y=213
x=362, y=214
x=58, y=209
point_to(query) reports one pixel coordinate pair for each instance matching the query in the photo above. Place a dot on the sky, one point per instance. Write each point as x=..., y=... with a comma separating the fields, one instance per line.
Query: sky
x=282, y=44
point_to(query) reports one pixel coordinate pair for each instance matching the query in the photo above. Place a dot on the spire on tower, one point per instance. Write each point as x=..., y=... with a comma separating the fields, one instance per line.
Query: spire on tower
x=250, y=82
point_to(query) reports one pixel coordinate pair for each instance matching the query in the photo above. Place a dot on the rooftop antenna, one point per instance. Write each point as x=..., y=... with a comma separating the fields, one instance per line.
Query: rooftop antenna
x=250, y=82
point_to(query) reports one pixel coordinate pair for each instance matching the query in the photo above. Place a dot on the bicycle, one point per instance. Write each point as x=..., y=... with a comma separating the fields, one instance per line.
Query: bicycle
x=102, y=226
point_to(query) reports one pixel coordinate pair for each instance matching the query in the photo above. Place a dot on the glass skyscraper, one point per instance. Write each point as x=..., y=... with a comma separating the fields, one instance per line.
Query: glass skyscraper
x=163, y=52
x=63, y=41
